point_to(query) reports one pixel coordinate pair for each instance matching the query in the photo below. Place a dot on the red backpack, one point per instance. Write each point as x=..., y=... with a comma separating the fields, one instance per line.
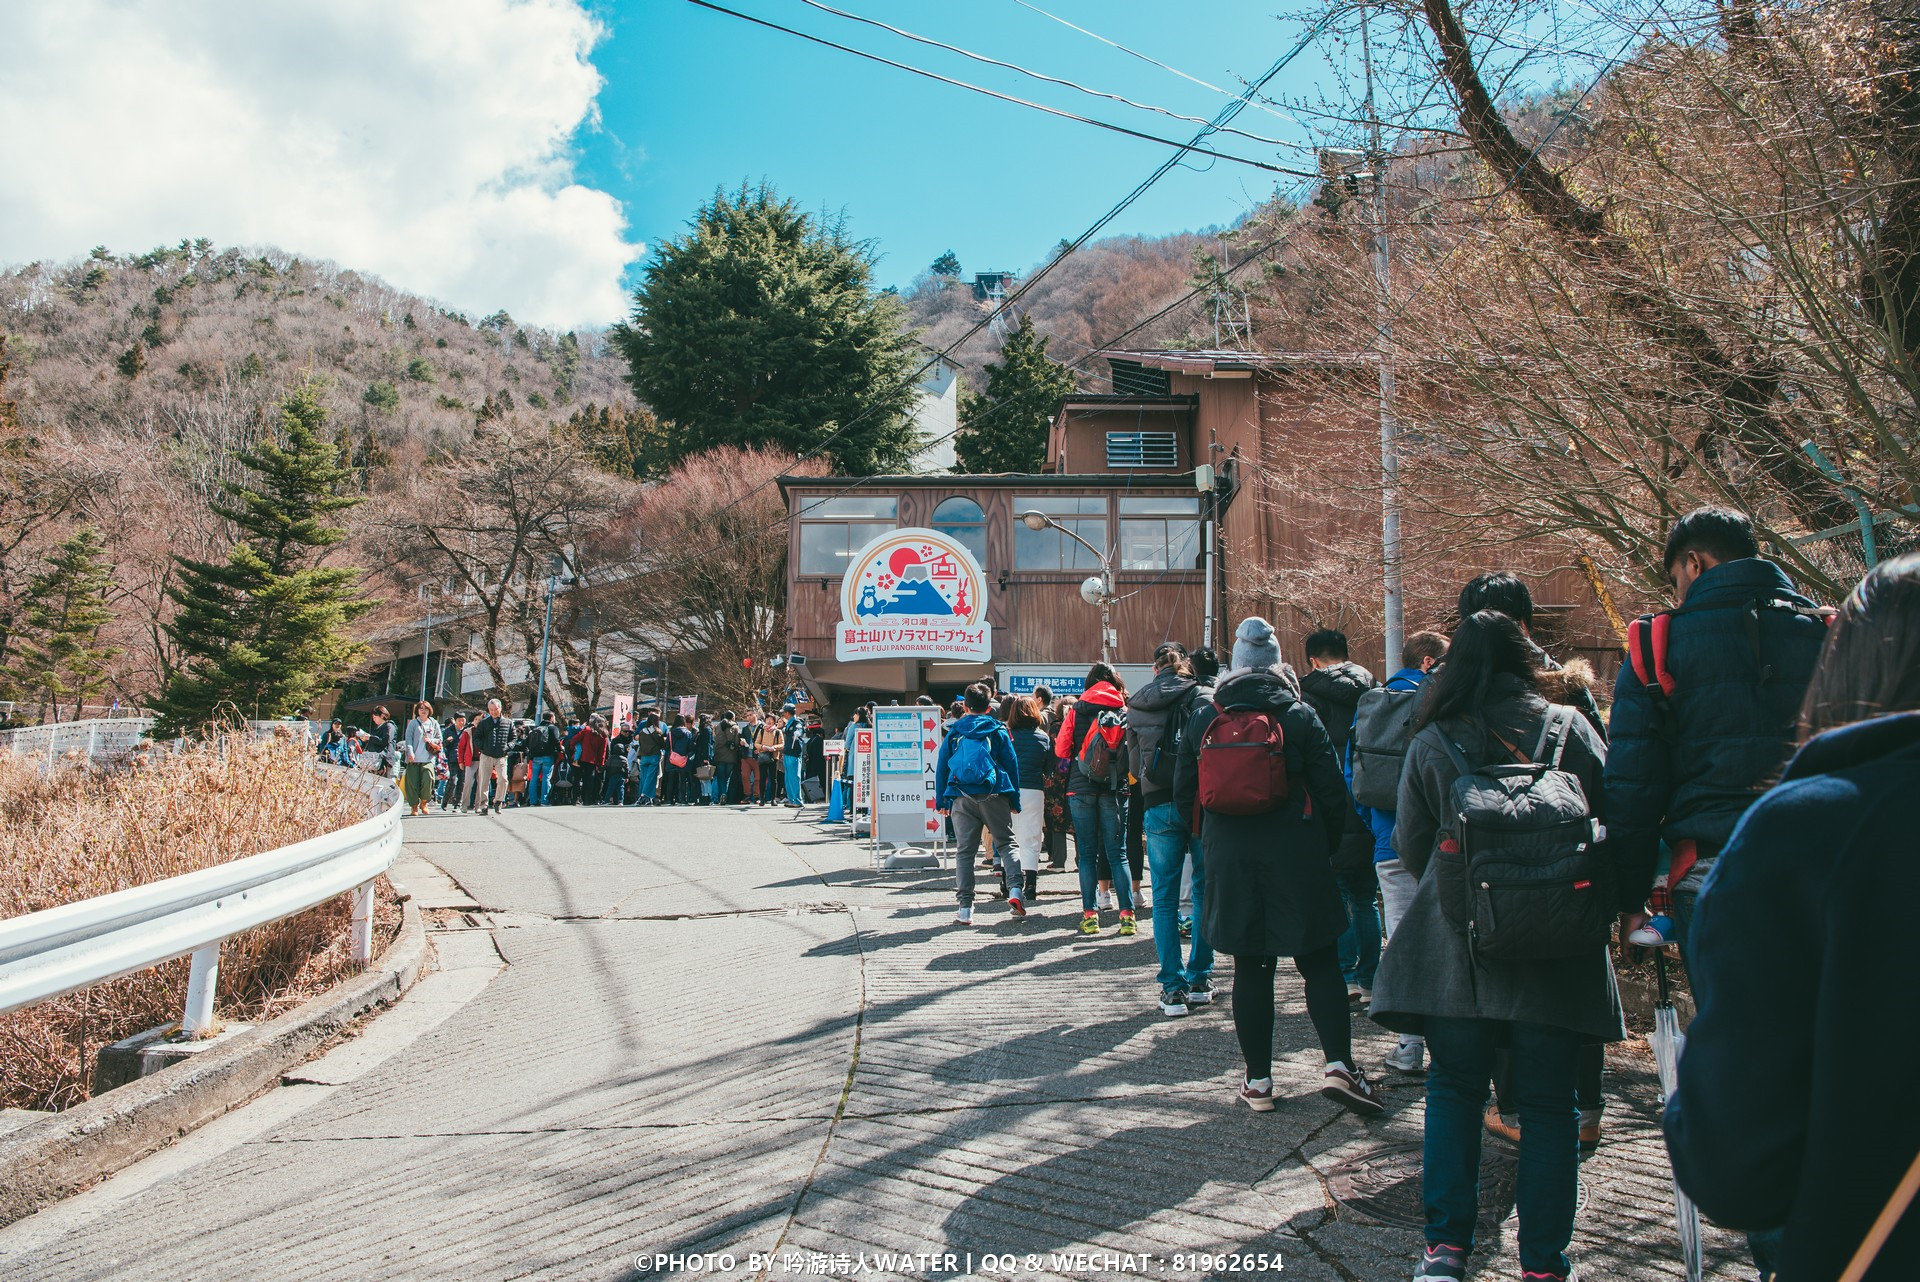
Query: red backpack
x=1243, y=764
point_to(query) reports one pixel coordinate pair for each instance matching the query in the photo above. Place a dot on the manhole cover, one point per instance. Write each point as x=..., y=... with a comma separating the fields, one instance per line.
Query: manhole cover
x=1384, y=1187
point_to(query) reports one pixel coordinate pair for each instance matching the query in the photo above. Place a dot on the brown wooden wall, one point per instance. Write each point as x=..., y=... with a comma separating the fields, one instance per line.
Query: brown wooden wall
x=1037, y=617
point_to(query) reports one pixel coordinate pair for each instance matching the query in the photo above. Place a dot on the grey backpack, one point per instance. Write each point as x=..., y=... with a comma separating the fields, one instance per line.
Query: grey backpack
x=1382, y=729
x=1519, y=866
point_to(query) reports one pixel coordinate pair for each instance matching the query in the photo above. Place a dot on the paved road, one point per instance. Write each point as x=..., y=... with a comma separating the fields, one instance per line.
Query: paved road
x=718, y=1031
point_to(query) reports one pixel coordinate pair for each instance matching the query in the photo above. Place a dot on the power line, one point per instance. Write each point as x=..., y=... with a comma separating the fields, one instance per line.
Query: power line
x=1003, y=97
x=1036, y=75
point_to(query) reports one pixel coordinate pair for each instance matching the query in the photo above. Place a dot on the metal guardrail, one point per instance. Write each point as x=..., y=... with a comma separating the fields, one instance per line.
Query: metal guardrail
x=61, y=950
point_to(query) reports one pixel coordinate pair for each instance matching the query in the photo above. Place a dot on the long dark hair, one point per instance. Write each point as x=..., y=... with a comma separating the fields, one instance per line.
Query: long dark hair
x=1103, y=672
x=1871, y=664
x=1488, y=645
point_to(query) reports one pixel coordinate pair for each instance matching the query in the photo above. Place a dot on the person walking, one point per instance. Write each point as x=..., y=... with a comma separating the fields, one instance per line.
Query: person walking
x=767, y=750
x=726, y=757
x=1094, y=798
x=677, y=790
x=1158, y=714
x=619, y=751
x=1420, y=655
x=1058, y=822
x=1333, y=684
x=1802, y=944
x=1483, y=710
x=492, y=736
x=420, y=748
x=1265, y=842
x=649, y=745
x=750, y=758
x=543, y=749
x=1034, y=763
x=977, y=785
x=793, y=746
x=451, y=735
x=382, y=743
x=590, y=754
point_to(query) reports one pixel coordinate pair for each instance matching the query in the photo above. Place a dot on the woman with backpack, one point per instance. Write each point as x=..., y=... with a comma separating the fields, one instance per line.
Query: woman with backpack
x=1802, y=937
x=1092, y=739
x=1534, y=976
x=1035, y=762
x=1256, y=770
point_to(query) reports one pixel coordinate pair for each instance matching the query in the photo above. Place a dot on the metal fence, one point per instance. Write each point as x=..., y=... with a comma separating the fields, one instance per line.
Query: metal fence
x=105, y=740
x=61, y=950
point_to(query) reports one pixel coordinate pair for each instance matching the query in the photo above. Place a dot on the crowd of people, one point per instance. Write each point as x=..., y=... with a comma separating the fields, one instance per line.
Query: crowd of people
x=482, y=762
x=1454, y=853
x=1458, y=850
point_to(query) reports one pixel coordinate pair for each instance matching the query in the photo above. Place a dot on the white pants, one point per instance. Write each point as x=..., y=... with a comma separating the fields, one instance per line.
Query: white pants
x=1027, y=827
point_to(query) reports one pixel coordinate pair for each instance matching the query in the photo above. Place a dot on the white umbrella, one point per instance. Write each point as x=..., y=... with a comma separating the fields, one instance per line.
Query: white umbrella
x=1668, y=1041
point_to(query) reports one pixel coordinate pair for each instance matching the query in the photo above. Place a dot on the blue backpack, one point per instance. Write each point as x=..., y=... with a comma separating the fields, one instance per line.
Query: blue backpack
x=971, y=768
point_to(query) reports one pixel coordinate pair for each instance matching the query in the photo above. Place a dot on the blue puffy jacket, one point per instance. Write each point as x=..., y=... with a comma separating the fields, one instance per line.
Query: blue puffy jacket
x=990, y=734
x=1741, y=651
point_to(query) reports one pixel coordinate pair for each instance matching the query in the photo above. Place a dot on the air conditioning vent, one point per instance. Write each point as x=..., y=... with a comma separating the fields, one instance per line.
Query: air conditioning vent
x=1157, y=450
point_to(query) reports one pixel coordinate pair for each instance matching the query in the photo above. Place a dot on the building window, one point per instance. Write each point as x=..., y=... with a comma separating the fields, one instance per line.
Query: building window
x=1160, y=533
x=1049, y=549
x=962, y=520
x=832, y=530
x=1157, y=450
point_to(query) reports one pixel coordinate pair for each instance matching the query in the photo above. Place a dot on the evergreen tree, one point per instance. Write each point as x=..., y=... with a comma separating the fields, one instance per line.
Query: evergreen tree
x=264, y=631
x=64, y=609
x=761, y=327
x=1004, y=429
x=948, y=264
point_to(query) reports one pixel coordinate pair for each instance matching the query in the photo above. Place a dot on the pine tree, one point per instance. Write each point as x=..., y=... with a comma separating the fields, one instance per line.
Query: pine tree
x=1004, y=429
x=264, y=631
x=761, y=327
x=948, y=264
x=64, y=609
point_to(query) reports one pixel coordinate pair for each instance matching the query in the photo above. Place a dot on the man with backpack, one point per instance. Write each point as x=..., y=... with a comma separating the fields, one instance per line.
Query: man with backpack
x=1333, y=686
x=1157, y=716
x=1382, y=729
x=977, y=785
x=543, y=747
x=1705, y=711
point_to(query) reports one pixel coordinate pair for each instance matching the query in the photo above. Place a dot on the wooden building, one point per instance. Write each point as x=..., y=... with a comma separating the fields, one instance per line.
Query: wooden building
x=1128, y=470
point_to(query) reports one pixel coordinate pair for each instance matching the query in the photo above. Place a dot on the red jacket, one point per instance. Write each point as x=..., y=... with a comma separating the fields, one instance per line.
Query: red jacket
x=464, y=751
x=593, y=747
x=1066, y=745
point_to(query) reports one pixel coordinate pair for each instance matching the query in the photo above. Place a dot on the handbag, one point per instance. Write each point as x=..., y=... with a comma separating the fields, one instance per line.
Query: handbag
x=678, y=760
x=704, y=771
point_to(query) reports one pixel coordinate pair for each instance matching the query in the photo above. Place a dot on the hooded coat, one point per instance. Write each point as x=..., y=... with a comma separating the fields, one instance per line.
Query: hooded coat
x=1077, y=725
x=1270, y=887
x=1804, y=940
x=1334, y=693
x=985, y=727
x=1428, y=969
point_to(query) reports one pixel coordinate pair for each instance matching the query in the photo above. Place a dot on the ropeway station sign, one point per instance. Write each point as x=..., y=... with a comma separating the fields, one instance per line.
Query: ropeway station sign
x=914, y=594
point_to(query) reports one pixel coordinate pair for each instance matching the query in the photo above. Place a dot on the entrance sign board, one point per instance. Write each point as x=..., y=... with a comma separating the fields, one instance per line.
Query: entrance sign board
x=914, y=594
x=906, y=747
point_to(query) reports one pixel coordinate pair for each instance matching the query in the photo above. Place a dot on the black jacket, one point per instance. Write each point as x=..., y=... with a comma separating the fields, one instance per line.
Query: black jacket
x=1157, y=713
x=1806, y=972
x=542, y=740
x=1334, y=693
x=1033, y=755
x=1270, y=887
x=1691, y=773
x=492, y=736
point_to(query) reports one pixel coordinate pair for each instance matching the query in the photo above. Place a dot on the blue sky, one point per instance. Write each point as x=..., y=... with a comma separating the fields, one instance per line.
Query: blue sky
x=695, y=99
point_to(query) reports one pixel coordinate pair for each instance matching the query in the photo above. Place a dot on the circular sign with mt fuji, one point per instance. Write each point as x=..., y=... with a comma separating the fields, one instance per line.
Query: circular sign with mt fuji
x=914, y=593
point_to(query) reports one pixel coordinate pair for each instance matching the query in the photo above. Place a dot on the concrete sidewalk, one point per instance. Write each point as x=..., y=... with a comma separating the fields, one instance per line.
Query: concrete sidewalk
x=718, y=1032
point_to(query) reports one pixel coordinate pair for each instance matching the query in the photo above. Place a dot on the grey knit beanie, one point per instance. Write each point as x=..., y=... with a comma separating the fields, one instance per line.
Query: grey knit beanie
x=1253, y=644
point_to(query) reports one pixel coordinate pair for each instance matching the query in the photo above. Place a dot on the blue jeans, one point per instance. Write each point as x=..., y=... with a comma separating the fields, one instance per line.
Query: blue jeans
x=1359, y=943
x=539, y=780
x=793, y=780
x=1545, y=1070
x=723, y=773
x=1169, y=844
x=1096, y=832
x=649, y=777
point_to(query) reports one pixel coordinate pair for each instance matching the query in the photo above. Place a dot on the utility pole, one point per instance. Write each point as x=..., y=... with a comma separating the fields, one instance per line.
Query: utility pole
x=546, y=634
x=426, y=647
x=1395, y=599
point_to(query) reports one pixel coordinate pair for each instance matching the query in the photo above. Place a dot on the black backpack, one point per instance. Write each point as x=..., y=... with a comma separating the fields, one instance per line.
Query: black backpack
x=1520, y=869
x=1382, y=729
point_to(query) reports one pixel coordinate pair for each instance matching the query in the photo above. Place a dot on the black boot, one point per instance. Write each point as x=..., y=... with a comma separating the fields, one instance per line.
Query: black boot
x=1030, y=883
x=1003, y=883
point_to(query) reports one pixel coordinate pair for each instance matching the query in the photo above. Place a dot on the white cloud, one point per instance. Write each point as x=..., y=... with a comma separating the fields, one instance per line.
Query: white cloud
x=426, y=141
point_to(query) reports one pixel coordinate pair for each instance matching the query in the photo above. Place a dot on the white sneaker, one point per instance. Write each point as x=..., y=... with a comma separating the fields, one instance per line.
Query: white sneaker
x=1408, y=1057
x=1103, y=900
x=963, y=915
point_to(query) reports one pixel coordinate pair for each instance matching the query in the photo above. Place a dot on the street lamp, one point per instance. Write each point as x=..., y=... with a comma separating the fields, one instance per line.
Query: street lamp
x=1096, y=589
x=554, y=567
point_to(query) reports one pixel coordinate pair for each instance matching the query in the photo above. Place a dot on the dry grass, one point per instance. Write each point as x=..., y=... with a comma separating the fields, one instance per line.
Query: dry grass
x=89, y=832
